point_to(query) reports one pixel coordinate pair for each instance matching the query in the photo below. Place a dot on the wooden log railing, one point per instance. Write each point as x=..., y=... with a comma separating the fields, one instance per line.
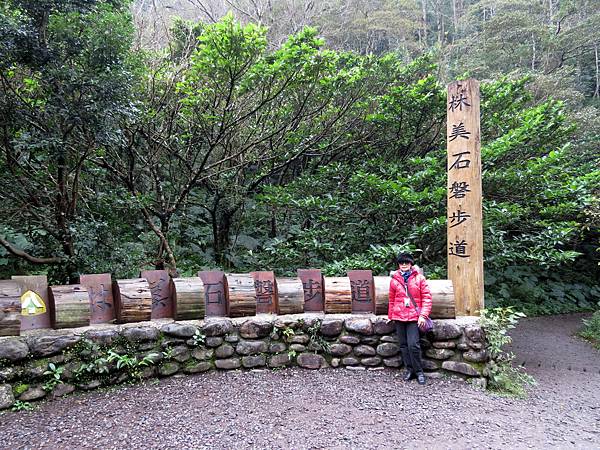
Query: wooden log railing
x=208, y=294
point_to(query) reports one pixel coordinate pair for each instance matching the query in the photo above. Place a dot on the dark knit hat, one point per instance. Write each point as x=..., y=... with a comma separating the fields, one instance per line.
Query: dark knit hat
x=405, y=258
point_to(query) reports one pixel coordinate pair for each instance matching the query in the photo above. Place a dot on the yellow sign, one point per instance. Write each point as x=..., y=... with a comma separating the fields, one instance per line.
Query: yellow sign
x=32, y=304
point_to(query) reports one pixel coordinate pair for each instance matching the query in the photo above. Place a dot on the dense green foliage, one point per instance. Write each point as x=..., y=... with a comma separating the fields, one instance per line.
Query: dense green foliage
x=231, y=152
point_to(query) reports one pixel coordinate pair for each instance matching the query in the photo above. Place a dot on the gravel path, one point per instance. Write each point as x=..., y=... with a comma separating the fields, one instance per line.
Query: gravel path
x=334, y=409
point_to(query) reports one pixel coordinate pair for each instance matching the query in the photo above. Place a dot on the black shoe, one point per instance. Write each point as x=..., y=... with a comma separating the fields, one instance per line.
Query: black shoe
x=408, y=375
x=421, y=378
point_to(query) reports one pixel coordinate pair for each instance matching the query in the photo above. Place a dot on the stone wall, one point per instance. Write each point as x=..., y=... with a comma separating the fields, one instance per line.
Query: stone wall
x=49, y=364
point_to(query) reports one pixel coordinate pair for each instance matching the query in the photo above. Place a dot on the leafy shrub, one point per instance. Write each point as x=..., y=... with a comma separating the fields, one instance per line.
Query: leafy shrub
x=504, y=377
x=591, y=331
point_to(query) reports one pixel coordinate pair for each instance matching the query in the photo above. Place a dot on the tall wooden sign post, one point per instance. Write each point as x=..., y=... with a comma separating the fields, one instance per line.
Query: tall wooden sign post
x=465, y=230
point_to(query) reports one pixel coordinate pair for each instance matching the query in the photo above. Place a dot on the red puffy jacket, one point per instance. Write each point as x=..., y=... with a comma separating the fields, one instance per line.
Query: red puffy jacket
x=419, y=289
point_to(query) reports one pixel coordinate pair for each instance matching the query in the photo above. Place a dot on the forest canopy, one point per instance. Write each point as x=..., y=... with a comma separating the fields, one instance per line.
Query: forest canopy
x=249, y=135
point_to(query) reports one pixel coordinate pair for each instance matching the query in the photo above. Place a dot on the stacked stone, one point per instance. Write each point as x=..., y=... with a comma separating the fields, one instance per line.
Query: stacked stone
x=311, y=341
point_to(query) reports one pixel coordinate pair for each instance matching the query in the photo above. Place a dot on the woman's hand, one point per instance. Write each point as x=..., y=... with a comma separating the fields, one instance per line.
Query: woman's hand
x=421, y=322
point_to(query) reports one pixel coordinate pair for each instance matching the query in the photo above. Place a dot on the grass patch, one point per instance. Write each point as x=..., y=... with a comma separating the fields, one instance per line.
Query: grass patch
x=591, y=330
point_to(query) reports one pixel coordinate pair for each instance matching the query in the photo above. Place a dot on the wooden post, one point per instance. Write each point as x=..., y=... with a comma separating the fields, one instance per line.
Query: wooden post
x=312, y=284
x=34, y=286
x=216, y=293
x=99, y=286
x=363, y=291
x=161, y=287
x=265, y=288
x=10, y=308
x=465, y=230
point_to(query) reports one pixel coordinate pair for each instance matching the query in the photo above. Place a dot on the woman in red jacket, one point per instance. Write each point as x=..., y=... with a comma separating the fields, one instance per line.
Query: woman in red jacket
x=409, y=313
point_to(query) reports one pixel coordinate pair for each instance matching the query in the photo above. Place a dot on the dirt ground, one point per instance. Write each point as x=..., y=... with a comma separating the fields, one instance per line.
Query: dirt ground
x=335, y=408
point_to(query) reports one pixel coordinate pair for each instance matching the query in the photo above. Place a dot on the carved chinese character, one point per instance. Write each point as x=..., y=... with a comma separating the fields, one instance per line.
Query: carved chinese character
x=460, y=163
x=458, y=217
x=459, y=189
x=312, y=290
x=160, y=293
x=214, y=292
x=99, y=298
x=458, y=131
x=459, y=248
x=457, y=101
x=264, y=291
x=361, y=291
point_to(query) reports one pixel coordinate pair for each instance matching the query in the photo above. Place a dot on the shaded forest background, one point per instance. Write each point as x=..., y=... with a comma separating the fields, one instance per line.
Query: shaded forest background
x=278, y=134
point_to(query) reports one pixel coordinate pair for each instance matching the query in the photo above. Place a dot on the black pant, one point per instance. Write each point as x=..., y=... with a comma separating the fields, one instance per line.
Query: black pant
x=410, y=348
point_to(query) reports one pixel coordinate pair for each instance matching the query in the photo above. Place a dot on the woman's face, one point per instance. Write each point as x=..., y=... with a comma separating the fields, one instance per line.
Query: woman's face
x=404, y=266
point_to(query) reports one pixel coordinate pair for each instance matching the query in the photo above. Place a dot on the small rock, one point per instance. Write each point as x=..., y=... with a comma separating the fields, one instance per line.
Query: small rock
x=311, y=361
x=443, y=330
x=140, y=334
x=253, y=361
x=62, y=389
x=358, y=325
x=331, y=327
x=392, y=362
x=6, y=396
x=382, y=325
x=224, y=351
x=255, y=328
x=350, y=361
x=439, y=353
x=277, y=347
x=364, y=350
x=217, y=327
x=444, y=344
x=460, y=367
x=372, y=361
x=388, y=349
x=283, y=359
x=197, y=367
x=213, y=341
x=351, y=340
x=339, y=349
x=179, y=330
x=33, y=393
x=168, y=368
x=251, y=347
x=475, y=355
x=51, y=345
x=228, y=364
x=202, y=354
x=102, y=337
x=13, y=349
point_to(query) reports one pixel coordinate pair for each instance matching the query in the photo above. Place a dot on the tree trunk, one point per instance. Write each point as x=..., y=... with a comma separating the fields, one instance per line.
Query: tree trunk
x=222, y=220
x=597, y=90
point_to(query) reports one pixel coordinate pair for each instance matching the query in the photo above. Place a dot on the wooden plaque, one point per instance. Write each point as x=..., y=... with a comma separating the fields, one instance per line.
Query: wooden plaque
x=216, y=293
x=312, y=283
x=99, y=287
x=10, y=308
x=72, y=307
x=37, y=284
x=133, y=300
x=362, y=290
x=161, y=287
x=465, y=225
x=188, y=298
x=265, y=288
